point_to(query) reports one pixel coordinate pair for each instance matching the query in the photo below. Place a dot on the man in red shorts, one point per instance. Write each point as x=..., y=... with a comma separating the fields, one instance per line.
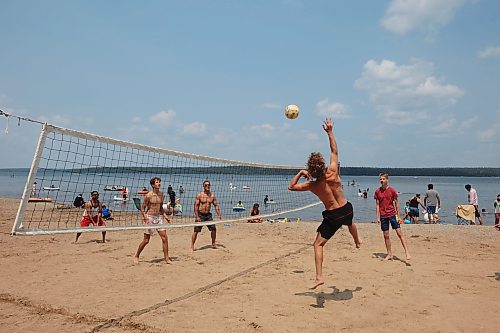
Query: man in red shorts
x=92, y=214
x=328, y=187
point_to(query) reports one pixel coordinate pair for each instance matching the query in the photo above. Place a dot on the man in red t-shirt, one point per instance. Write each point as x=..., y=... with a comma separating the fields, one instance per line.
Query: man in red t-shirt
x=386, y=202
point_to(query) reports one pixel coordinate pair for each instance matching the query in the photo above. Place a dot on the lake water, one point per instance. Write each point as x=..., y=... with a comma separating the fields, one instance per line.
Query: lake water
x=451, y=190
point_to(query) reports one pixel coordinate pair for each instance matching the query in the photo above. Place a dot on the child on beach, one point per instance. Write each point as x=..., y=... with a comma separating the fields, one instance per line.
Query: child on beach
x=328, y=187
x=387, y=208
x=406, y=217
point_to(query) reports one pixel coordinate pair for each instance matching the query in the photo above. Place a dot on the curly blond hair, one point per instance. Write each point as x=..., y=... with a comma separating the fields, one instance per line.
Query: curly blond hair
x=316, y=165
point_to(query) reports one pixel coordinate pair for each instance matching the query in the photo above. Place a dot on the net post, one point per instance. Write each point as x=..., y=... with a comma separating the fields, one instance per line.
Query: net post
x=29, y=182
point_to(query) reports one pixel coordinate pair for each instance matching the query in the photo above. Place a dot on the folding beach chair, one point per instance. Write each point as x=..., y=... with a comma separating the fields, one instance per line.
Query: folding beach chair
x=465, y=214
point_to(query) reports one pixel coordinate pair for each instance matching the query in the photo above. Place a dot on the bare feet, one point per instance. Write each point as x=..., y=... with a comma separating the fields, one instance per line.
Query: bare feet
x=169, y=262
x=388, y=257
x=214, y=246
x=358, y=244
x=317, y=283
x=136, y=261
x=408, y=257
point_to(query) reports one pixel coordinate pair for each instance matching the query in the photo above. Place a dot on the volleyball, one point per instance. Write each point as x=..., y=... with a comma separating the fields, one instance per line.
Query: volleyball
x=292, y=111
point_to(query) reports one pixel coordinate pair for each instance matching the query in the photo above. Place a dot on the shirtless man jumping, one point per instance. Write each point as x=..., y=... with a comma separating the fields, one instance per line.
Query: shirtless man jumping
x=328, y=187
x=152, y=212
x=202, y=206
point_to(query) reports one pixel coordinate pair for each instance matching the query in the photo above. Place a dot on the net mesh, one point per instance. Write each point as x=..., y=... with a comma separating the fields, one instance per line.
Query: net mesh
x=68, y=163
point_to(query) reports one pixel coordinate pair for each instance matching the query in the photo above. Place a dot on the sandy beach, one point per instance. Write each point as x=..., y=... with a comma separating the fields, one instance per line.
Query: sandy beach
x=256, y=281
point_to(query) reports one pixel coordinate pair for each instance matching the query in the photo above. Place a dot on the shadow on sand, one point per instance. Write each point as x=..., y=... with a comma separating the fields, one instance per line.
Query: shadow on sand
x=206, y=247
x=394, y=258
x=160, y=260
x=336, y=295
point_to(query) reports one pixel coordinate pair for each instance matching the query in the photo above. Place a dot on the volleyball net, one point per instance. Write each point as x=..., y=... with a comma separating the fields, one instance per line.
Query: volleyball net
x=70, y=164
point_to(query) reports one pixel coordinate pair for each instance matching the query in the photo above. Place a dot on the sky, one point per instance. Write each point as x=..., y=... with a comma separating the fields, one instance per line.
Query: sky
x=408, y=83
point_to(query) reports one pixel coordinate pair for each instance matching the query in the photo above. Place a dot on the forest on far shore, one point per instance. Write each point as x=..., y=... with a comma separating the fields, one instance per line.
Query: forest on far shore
x=445, y=172
x=276, y=170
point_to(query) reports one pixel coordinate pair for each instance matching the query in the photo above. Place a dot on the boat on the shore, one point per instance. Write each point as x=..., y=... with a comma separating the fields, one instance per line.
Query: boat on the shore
x=113, y=188
x=40, y=200
x=51, y=188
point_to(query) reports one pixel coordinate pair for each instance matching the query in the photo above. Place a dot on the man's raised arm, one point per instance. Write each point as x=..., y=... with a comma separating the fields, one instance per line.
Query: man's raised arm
x=334, y=152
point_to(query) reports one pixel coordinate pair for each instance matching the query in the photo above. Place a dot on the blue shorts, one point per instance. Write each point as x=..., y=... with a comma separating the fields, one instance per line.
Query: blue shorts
x=431, y=209
x=384, y=223
x=414, y=212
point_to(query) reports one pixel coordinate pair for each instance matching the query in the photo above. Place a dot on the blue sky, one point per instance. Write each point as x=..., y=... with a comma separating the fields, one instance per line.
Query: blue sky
x=409, y=83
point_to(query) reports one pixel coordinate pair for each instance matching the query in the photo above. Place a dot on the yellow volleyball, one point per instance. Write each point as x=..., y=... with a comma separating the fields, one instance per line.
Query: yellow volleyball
x=292, y=111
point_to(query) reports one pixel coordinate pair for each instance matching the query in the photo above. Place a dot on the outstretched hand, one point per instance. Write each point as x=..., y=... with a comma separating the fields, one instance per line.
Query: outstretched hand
x=328, y=125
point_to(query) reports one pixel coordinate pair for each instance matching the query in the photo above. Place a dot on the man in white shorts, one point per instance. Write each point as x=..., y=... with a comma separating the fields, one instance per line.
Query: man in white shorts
x=153, y=213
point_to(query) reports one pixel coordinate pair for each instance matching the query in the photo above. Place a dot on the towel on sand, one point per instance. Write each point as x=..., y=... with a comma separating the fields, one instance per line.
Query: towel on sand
x=466, y=212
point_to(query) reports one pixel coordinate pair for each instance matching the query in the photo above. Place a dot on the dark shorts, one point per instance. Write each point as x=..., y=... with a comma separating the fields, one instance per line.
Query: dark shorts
x=204, y=218
x=431, y=209
x=334, y=219
x=476, y=211
x=384, y=223
x=414, y=212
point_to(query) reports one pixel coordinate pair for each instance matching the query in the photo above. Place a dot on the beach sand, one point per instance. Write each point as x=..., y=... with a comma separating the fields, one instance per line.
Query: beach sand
x=256, y=281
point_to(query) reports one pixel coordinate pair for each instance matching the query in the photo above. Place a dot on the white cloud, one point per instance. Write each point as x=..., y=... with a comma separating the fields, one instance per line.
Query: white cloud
x=195, y=128
x=136, y=120
x=263, y=131
x=491, y=133
x=67, y=121
x=164, y=117
x=468, y=123
x=335, y=110
x=311, y=136
x=403, y=16
x=489, y=52
x=405, y=94
x=444, y=127
x=263, y=128
x=273, y=106
x=488, y=134
x=137, y=130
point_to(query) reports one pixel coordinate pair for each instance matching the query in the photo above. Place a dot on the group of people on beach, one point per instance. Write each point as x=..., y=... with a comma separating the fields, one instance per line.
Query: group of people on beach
x=153, y=213
x=322, y=181
x=431, y=205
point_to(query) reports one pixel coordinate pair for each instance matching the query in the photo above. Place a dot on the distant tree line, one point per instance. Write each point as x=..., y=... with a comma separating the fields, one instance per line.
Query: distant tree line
x=445, y=172
x=251, y=170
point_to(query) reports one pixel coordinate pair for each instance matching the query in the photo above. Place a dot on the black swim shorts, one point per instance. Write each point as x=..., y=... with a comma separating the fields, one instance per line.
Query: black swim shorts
x=203, y=218
x=334, y=219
